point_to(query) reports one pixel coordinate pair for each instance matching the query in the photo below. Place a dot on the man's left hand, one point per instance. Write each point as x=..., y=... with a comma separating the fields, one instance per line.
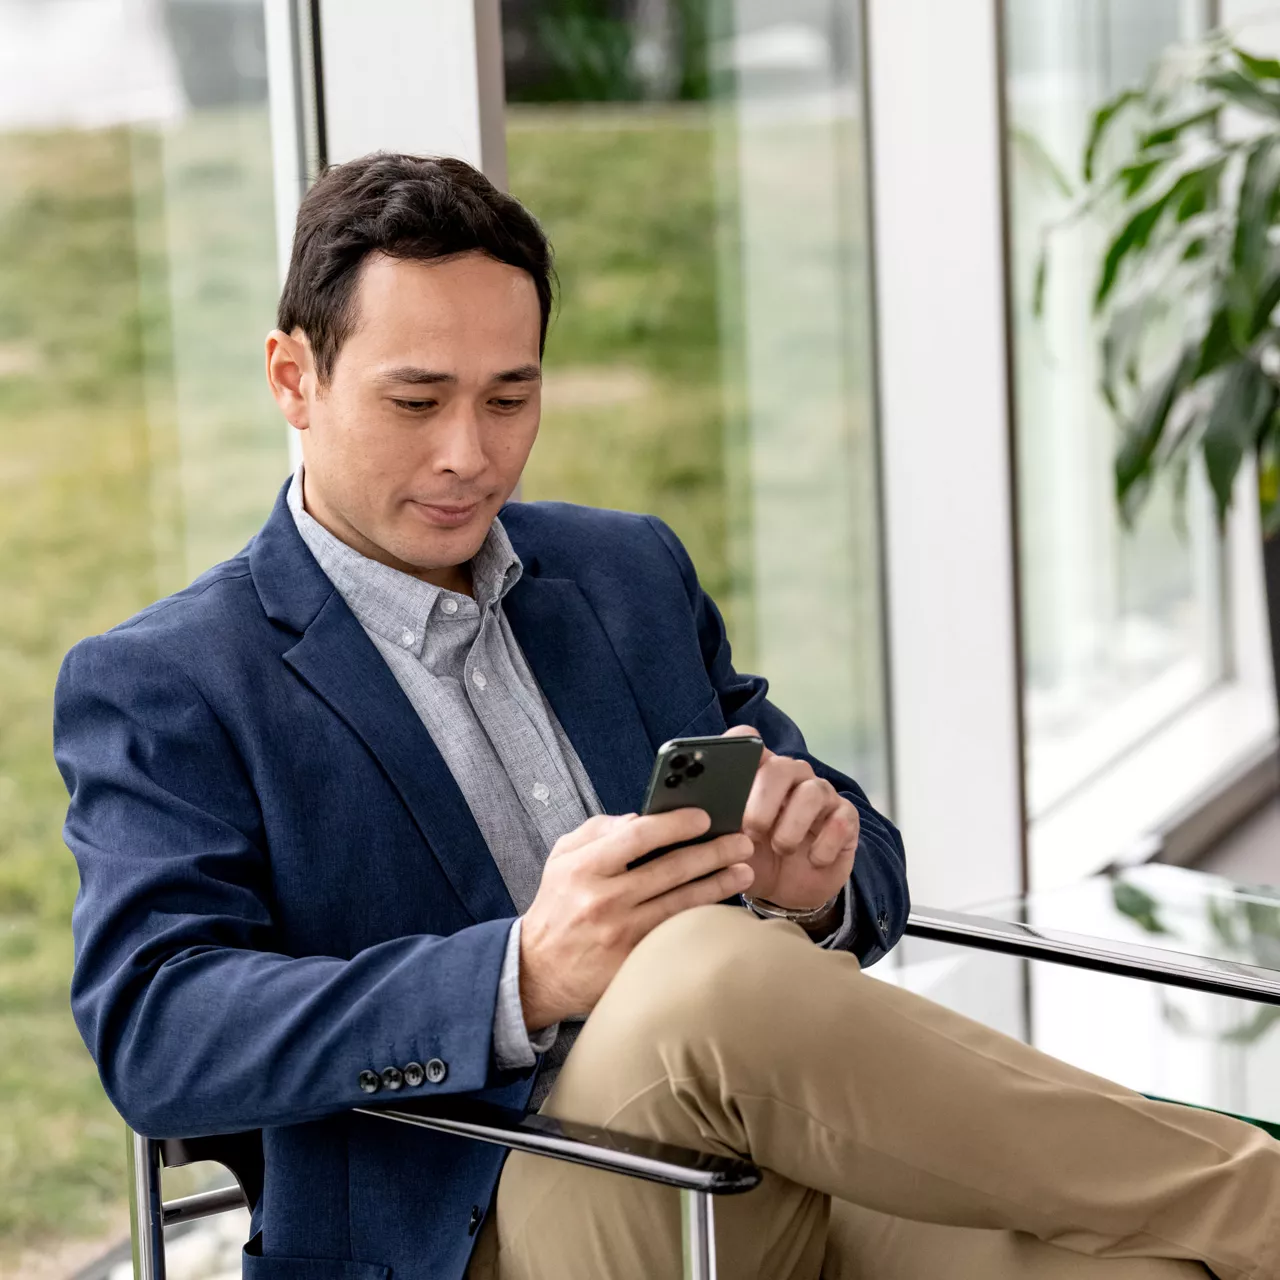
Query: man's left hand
x=805, y=833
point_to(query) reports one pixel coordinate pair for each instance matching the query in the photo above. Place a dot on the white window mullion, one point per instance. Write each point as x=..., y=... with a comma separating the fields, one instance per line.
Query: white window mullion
x=933, y=75
x=400, y=75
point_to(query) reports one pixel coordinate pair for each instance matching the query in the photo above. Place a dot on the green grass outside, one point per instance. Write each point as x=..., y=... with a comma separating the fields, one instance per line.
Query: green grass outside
x=137, y=276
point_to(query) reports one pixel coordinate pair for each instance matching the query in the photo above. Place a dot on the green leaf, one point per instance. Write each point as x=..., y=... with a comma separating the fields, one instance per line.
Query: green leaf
x=1134, y=177
x=1267, y=301
x=1244, y=92
x=1184, y=195
x=1142, y=438
x=1250, y=253
x=1245, y=401
x=1133, y=236
x=1138, y=905
x=1103, y=119
x=1040, y=281
x=1169, y=132
x=1121, y=347
x=1216, y=347
x=1039, y=160
x=1269, y=478
x=1259, y=68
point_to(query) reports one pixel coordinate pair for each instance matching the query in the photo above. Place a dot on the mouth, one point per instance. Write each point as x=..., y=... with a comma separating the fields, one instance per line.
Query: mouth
x=448, y=515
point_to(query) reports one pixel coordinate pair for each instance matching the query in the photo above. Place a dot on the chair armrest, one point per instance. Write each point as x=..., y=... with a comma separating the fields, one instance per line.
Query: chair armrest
x=1128, y=959
x=603, y=1149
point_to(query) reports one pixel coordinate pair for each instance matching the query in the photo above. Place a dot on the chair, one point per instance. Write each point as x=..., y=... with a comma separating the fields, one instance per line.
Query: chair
x=699, y=1177
x=695, y=1174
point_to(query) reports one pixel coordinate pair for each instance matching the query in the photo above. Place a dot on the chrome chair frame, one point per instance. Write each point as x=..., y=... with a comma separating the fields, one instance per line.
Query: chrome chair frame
x=698, y=1177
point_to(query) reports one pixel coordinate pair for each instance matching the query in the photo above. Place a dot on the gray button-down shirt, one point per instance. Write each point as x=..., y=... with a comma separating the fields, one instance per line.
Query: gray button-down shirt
x=461, y=667
x=459, y=664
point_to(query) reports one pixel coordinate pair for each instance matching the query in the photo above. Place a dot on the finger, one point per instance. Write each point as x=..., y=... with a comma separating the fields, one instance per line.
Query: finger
x=623, y=844
x=747, y=731
x=590, y=830
x=773, y=784
x=839, y=834
x=683, y=865
x=806, y=807
x=715, y=888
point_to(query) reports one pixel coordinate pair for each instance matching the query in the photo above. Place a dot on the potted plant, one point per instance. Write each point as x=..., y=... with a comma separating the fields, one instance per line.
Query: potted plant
x=1186, y=170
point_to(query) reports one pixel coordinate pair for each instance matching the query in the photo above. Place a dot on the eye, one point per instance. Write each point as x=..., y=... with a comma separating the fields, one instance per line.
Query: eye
x=508, y=404
x=414, y=406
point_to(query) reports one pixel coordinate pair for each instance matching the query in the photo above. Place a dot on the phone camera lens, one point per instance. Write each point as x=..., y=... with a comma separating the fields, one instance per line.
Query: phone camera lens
x=671, y=780
x=695, y=768
x=678, y=762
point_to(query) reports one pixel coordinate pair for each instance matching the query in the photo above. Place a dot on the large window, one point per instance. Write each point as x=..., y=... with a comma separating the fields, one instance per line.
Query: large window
x=1122, y=629
x=699, y=166
x=137, y=446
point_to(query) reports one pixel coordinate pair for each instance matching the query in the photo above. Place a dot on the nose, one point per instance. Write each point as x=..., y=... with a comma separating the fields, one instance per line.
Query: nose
x=460, y=446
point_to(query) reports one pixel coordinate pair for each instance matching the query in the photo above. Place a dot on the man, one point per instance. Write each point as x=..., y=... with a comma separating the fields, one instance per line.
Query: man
x=354, y=812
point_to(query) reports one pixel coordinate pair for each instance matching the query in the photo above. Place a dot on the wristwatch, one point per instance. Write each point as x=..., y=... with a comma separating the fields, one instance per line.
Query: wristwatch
x=802, y=916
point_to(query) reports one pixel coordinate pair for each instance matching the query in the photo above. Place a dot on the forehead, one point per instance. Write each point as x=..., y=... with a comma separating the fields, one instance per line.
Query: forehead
x=464, y=303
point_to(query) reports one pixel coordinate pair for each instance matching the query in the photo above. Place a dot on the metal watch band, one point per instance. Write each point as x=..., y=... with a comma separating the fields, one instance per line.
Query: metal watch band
x=767, y=910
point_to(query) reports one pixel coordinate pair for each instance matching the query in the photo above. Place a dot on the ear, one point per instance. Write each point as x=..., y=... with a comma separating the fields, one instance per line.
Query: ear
x=291, y=375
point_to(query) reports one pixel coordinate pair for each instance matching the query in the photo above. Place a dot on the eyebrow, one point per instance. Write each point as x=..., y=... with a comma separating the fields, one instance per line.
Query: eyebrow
x=418, y=377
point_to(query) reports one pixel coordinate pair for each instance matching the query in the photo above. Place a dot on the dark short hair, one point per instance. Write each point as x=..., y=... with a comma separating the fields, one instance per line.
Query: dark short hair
x=416, y=207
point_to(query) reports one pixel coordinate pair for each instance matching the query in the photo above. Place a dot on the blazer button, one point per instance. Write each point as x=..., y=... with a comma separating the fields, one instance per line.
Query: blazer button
x=392, y=1078
x=882, y=921
x=414, y=1074
x=369, y=1081
x=476, y=1215
x=436, y=1070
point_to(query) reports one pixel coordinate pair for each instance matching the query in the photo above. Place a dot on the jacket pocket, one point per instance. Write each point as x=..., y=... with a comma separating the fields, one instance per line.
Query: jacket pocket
x=708, y=722
x=256, y=1267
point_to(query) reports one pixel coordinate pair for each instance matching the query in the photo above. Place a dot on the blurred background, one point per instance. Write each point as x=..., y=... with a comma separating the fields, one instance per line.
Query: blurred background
x=830, y=306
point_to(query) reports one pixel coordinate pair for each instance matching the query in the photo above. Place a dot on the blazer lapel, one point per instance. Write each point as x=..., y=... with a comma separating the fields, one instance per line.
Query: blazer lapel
x=341, y=664
x=578, y=670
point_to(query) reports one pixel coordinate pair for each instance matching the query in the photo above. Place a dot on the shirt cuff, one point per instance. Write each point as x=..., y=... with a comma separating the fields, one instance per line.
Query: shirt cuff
x=847, y=930
x=514, y=1049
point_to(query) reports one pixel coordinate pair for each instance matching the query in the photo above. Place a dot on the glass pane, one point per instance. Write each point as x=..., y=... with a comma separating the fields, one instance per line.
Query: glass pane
x=1190, y=1046
x=1185, y=1046
x=699, y=167
x=1119, y=628
x=138, y=445
x=1156, y=905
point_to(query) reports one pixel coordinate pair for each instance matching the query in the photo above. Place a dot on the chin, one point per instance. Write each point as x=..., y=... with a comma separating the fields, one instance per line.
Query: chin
x=441, y=548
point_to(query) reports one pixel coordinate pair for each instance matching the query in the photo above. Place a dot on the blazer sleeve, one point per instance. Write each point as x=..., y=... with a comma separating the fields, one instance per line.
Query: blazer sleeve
x=879, y=883
x=196, y=1020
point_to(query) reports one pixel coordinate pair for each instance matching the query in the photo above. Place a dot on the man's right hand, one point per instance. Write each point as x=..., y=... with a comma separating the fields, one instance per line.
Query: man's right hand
x=590, y=911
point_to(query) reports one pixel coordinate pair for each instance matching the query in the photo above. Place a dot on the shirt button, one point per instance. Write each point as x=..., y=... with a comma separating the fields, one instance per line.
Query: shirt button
x=477, y=679
x=449, y=606
x=541, y=792
x=407, y=639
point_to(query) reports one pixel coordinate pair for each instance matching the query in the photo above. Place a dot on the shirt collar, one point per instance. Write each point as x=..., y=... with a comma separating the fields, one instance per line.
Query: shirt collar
x=397, y=605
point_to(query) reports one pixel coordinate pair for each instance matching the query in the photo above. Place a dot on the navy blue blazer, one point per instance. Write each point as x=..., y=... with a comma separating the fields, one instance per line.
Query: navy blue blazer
x=282, y=886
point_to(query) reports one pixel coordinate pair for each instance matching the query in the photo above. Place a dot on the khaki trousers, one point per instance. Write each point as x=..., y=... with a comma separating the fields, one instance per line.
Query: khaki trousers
x=900, y=1140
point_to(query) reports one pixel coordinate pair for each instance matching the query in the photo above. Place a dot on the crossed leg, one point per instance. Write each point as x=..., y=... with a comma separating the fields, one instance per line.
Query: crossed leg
x=899, y=1139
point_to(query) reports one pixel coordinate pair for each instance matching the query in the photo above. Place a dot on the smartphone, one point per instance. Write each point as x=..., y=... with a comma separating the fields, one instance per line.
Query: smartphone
x=714, y=774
